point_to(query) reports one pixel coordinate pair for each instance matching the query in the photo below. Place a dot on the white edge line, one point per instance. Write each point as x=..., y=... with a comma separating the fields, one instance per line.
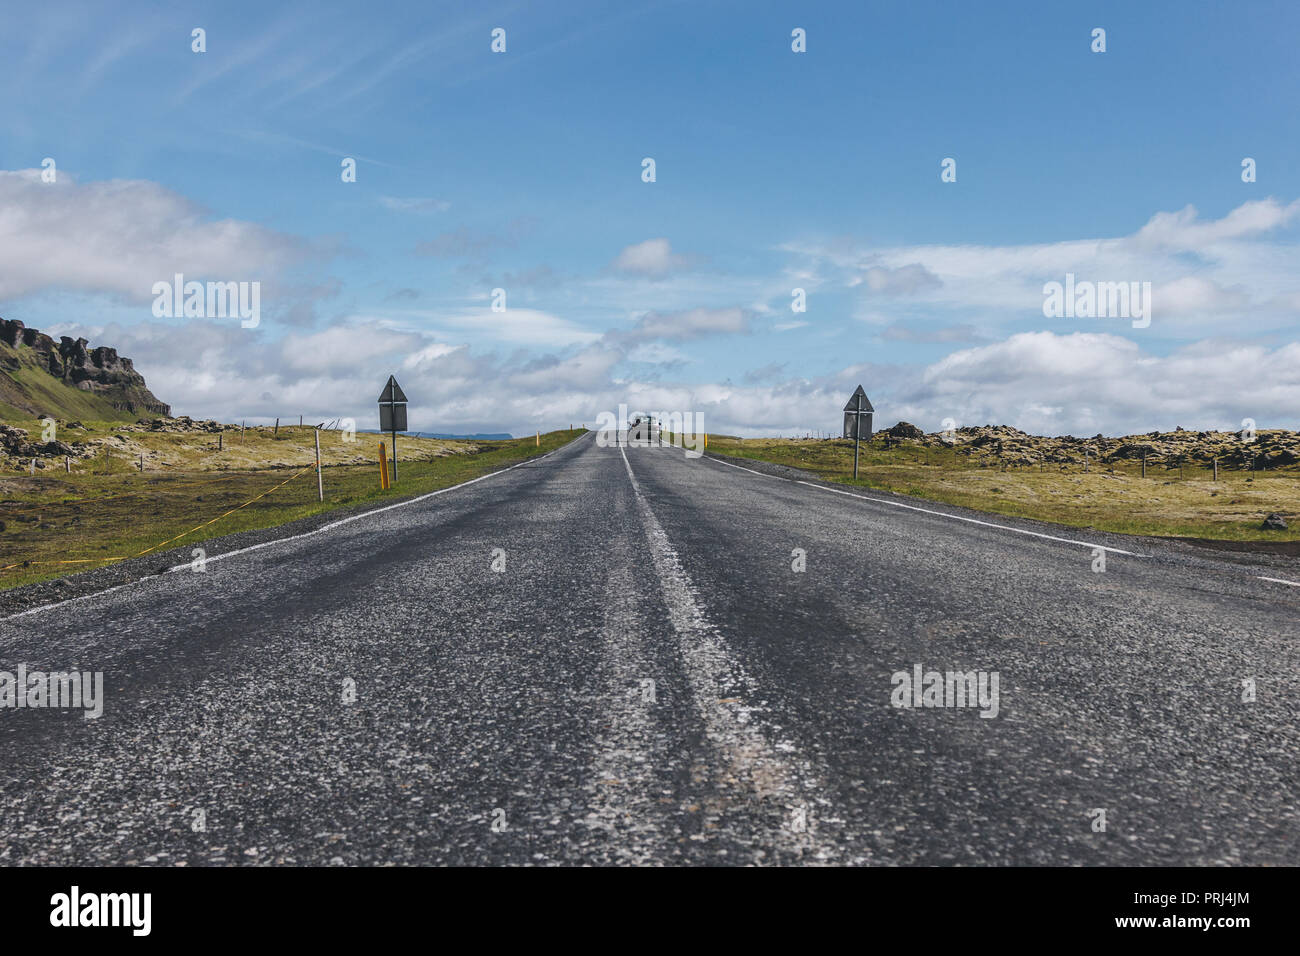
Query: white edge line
x=941, y=514
x=296, y=537
x=1294, y=584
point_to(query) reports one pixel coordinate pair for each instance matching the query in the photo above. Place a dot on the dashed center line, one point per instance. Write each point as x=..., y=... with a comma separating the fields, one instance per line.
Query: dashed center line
x=776, y=773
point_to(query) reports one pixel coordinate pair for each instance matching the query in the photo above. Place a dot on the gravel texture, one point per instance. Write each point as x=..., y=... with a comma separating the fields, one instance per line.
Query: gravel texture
x=508, y=716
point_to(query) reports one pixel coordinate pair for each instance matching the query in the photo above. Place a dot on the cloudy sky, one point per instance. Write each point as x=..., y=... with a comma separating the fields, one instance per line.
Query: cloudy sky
x=775, y=170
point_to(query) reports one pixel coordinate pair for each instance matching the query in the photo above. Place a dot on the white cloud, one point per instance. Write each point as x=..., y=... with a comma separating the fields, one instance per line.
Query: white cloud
x=905, y=280
x=1193, y=294
x=653, y=258
x=898, y=332
x=414, y=204
x=1084, y=383
x=521, y=326
x=1080, y=383
x=121, y=236
x=1202, y=271
x=1185, y=230
x=681, y=326
x=657, y=353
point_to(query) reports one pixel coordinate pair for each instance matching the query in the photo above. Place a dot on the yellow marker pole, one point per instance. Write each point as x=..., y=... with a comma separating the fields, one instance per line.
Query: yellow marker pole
x=539, y=439
x=383, y=468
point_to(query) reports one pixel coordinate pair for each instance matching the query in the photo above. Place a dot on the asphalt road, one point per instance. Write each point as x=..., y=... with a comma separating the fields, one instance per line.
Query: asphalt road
x=508, y=716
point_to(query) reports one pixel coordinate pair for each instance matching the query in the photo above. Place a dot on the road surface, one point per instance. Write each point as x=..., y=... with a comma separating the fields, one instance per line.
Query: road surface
x=608, y=656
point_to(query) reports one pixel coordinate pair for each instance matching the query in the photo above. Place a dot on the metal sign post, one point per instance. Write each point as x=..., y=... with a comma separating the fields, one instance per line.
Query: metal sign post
x=392, y=414
x=858, y=406
x=320, y=481
x=857, y=433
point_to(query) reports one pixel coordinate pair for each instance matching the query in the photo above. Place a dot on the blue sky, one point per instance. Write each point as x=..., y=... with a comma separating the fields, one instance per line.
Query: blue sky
x=775, y=170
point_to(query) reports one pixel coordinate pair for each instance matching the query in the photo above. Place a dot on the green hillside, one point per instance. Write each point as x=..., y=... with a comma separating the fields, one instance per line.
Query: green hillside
x=28, y=391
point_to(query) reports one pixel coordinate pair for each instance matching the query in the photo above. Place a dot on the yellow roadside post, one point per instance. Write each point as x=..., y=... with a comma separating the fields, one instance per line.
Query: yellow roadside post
x=383, y=468
x=539, y=439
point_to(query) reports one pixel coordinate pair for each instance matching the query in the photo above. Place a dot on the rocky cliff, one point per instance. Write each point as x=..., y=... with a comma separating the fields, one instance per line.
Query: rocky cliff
x=100, y=372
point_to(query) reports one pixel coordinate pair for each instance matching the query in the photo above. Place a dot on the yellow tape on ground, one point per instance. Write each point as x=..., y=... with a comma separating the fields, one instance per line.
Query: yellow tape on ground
x=182, y=483
x=311, y=467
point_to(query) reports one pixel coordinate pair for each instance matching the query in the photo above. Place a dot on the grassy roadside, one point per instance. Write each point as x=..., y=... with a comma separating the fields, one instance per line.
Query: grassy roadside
x=56, y=523
x=1167, y=503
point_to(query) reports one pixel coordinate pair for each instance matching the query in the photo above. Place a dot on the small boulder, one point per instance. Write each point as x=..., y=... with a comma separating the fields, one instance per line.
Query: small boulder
x=905, y=430
x=1274, y=522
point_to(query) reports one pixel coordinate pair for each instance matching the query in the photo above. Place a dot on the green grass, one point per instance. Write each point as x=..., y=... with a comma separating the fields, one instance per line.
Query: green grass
x=1107, y=498
x=26, y=388
x=105, y=513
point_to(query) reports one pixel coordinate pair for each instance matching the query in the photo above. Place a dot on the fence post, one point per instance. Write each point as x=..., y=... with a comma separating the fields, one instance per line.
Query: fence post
x=1144, y=464
x=67, y=464
x=320, y=482
x=1216, y=469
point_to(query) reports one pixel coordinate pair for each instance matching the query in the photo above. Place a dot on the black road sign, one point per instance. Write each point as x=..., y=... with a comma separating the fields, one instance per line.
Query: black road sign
x=392, y=418
x=858, y=406
x=392, y=392
x=392, y=414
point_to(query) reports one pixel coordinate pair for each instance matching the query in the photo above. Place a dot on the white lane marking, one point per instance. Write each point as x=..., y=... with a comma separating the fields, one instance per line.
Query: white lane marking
x=73, y=600
x=297, y=537
x=941, y=514
x=621, y=795
x=776, y=772
x=1294, y=584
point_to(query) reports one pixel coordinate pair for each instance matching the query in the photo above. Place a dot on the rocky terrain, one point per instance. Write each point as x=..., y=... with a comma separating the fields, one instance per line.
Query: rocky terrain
x=101, y=372
x=17, y=443
x=18, y=447
x=1002, y=444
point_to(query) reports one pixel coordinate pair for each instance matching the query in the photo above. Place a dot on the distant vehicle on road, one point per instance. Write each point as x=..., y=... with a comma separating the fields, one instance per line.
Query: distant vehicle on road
x=643, y=429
